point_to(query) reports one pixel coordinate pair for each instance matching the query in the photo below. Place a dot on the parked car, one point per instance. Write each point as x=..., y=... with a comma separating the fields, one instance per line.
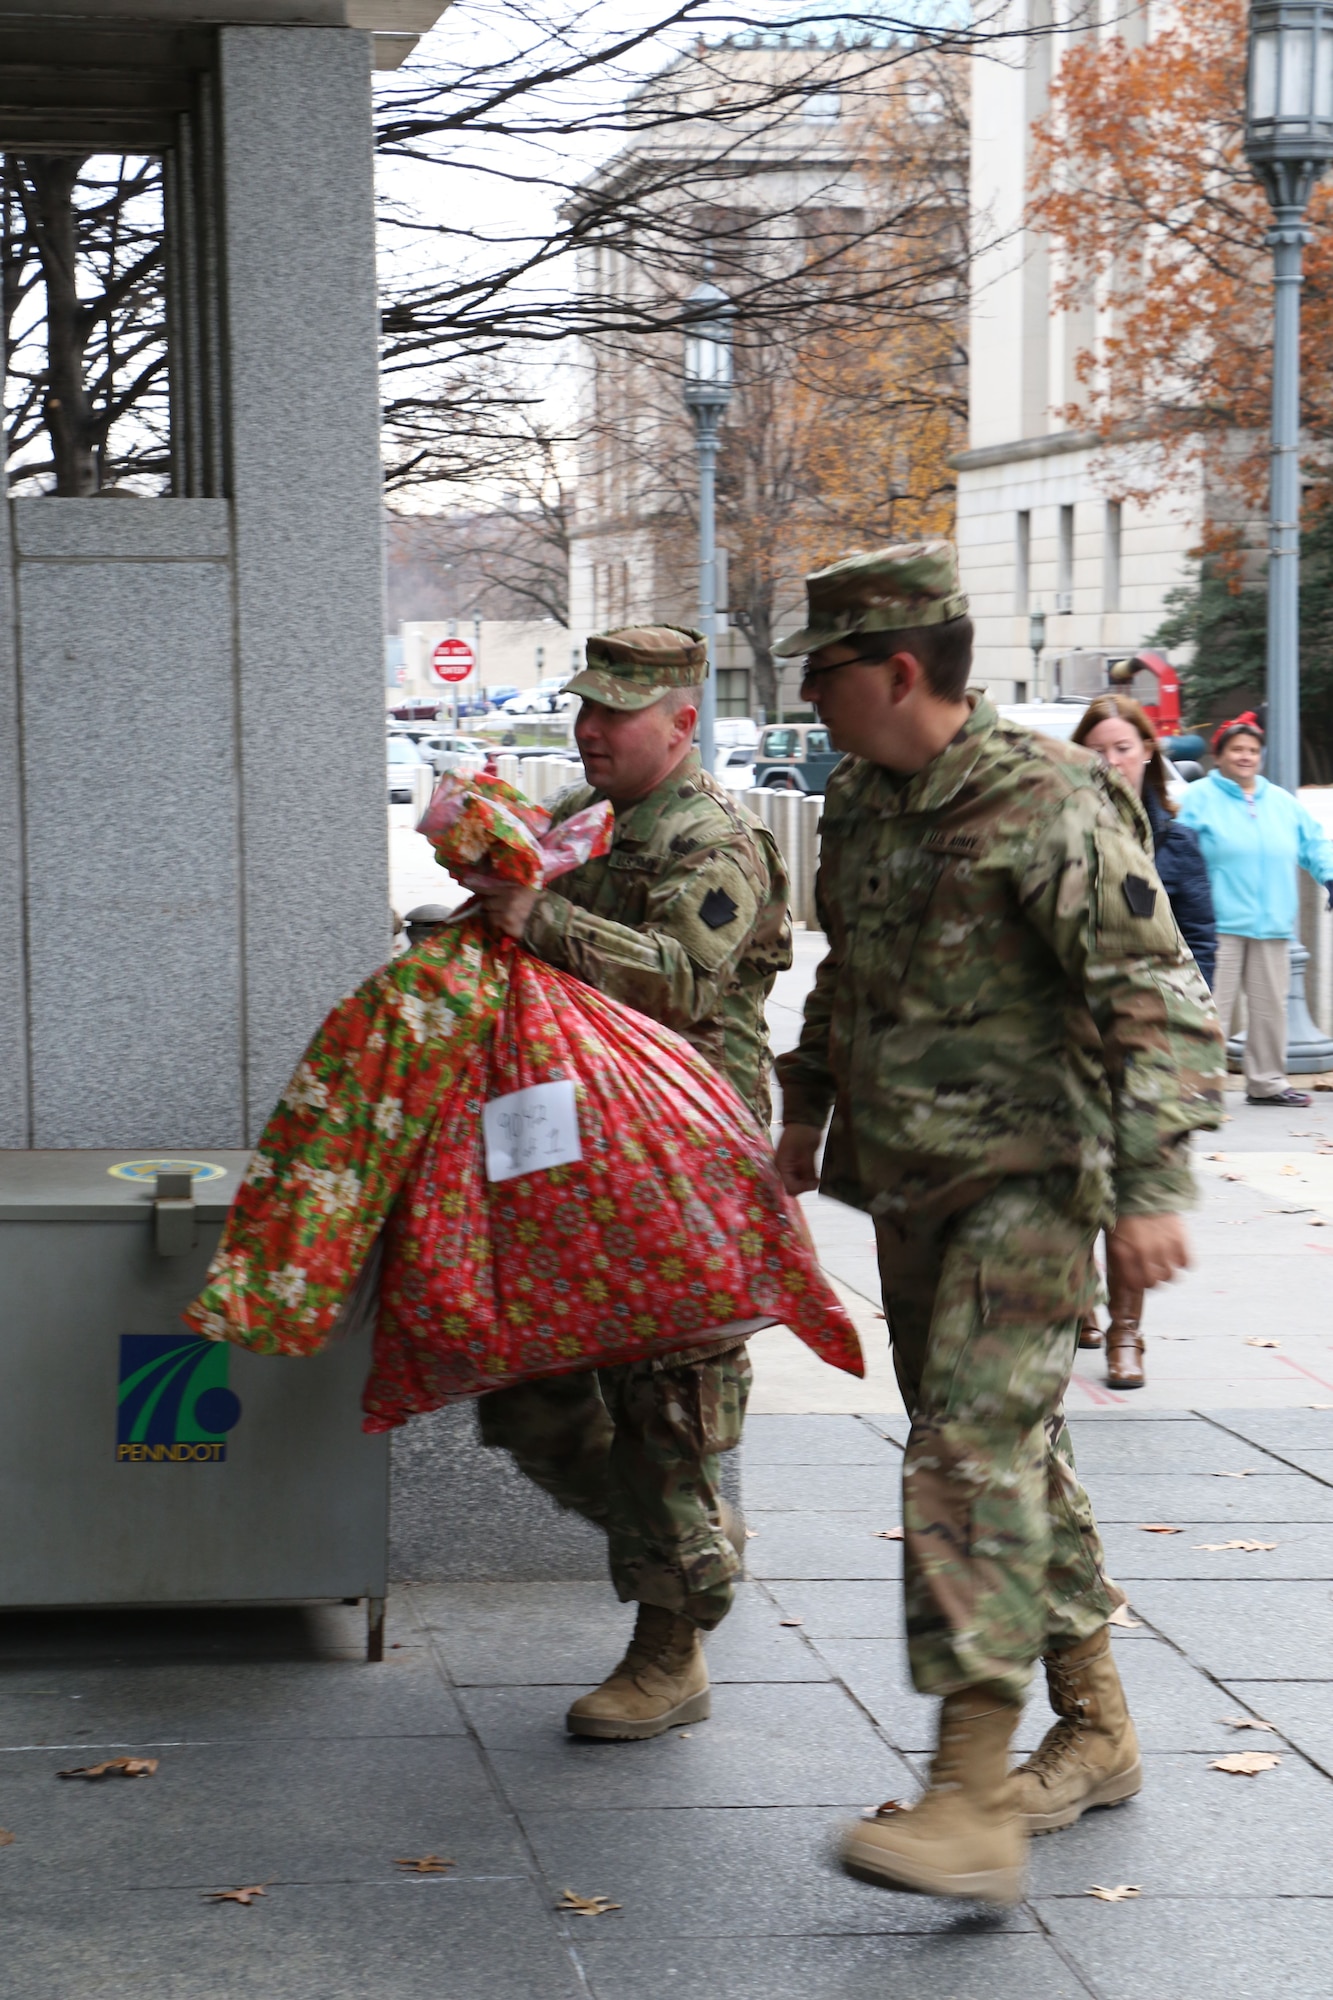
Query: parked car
x=404, y=758
x=502, y=696
x=540, y=701
x=454, y=753
x=735, y=769
x=417, y=711
x=795, y=756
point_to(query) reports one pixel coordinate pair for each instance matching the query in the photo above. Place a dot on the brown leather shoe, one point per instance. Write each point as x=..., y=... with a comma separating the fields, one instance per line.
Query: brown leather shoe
x=1089, y=1333
x=1091, y=1756
x=1124, y=1342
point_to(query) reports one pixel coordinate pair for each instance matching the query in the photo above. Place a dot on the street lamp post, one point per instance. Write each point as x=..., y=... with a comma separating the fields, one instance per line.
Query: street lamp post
x=1036, y=640
x=707, y=393
x=1288, y=142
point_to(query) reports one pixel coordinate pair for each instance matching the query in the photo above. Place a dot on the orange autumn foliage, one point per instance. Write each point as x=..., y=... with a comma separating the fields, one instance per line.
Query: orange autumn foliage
x=1138, y=177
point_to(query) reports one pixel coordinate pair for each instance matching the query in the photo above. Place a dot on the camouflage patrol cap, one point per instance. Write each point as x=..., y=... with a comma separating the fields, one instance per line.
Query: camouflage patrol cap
x=636, y=665
x=887, y=590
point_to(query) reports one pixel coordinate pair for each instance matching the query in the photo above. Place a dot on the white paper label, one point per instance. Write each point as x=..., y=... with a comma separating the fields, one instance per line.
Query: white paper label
x=530, y=1130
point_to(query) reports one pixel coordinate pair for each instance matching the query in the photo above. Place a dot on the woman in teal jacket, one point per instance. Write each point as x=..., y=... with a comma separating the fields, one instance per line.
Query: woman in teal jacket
x=1254, y=836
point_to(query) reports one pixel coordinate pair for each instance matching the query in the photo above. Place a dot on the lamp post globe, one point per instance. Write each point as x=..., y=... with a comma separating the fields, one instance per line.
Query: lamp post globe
x=707, y=385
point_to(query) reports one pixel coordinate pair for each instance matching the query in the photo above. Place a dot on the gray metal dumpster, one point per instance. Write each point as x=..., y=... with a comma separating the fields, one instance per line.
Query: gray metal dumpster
x=138, y=1464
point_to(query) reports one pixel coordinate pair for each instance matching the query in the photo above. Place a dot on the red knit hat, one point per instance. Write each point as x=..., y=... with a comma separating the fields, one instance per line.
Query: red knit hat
x=1247, y=724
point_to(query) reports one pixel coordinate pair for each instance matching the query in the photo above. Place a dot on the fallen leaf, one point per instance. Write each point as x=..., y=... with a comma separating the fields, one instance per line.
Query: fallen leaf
x=1248, y=1473
x=682, y=1736
x=882, y=1316
x=1247, y=1722
x=1257, y=1340
x=1294, y=1171
x=1319, y=1406
x=1120, y=1616
x=1122, y=1893
x=245, y=1896
x=1158, y=1528
x=1233, y=1177
x=1246, y=1763
x=115, y=1767
x=791, y=1621
x=427, y=1864
x=585, y=1906
x=1249, y=1547
x=1217, y=1156
x=885, y=1811
x=6, y=1837
x=750, y=1534
x=889, y=1534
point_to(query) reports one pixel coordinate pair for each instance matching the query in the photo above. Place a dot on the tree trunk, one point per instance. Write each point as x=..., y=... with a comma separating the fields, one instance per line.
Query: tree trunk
x=755, y=620
x=68, y=413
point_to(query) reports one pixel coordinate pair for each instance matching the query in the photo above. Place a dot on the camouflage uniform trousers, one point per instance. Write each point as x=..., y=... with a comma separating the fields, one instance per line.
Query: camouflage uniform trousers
x=1002, y=1558
x=634, y=1450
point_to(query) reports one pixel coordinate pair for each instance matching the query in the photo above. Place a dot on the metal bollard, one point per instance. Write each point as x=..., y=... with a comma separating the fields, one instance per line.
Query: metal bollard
x=423, y=784
x=510, y=769
x=812, y=812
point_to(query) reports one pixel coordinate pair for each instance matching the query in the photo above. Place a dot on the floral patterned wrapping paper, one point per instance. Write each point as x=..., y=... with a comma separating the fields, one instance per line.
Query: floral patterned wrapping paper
x=342, y=1138
x=674, y=1222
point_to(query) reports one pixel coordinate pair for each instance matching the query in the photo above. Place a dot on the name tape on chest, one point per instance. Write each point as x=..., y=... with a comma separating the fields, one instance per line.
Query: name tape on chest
x=526, y=1131
x=943, y=842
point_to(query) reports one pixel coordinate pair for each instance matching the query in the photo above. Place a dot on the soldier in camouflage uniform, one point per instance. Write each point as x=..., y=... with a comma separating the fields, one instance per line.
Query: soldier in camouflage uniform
x=1015, y=1046
x=685, y=919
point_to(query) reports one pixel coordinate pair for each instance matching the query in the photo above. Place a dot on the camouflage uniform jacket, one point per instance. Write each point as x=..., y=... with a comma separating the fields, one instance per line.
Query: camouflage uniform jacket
x=1005, y=991
x=685, y=919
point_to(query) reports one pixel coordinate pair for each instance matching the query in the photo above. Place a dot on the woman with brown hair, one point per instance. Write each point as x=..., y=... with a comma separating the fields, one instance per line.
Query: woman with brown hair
x=1119, y=731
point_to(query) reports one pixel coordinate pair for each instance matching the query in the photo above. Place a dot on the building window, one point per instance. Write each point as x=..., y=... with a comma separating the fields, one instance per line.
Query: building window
x=85, y=369
x=1111, y=558
x=733, y=691
x=1023, y=561
x=1064, y=566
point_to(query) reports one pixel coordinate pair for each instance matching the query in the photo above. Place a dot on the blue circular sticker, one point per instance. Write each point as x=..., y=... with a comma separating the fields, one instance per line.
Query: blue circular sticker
x=148, y=1170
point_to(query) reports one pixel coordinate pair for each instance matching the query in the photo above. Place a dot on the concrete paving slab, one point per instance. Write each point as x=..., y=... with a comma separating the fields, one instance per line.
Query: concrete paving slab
x=207, y=1703
x=1271, y=1495
x=1205, y=1947
x=698, y=1873
x=396, y=1939
x=824, y=1489
x=1162, y=1446
x=1302, y=1550
x=1302, y=1710
x=781, y=1745
x=1279, y=1431
x=1244, y=1631
x=249, y=1812
x=833, y=1441
x=839, y=1610
x=826, y=1545
x=969, y=1962
x=1193, y=1831
x=571, y=1635
x=1318, y=1464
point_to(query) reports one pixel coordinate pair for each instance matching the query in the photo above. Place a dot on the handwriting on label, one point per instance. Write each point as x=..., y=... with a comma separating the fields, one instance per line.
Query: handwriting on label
x=529, y=1130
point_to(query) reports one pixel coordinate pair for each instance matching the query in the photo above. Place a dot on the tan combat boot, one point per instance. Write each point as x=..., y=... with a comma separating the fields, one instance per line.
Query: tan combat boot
x=963, y=1837
x=661, y=1683
x=1091, y=1756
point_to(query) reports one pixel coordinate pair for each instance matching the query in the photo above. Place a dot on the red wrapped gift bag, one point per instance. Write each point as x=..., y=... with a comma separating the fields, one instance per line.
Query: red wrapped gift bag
x=600, y=1195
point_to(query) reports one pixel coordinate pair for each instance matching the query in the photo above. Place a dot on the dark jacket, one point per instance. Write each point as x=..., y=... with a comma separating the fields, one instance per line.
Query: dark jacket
x=1180, y=864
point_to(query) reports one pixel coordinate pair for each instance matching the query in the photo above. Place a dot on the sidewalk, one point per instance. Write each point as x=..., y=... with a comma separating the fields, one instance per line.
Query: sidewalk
x=286, y=1761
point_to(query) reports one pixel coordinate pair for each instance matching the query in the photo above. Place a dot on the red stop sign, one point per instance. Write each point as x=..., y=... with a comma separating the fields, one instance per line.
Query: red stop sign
x=452, y=660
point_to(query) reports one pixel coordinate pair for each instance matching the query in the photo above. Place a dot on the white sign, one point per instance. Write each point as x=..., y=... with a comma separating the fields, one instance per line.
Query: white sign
x=530, y=1130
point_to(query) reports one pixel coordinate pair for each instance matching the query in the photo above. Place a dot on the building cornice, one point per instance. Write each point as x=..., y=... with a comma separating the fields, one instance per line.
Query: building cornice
x=1023, y=449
